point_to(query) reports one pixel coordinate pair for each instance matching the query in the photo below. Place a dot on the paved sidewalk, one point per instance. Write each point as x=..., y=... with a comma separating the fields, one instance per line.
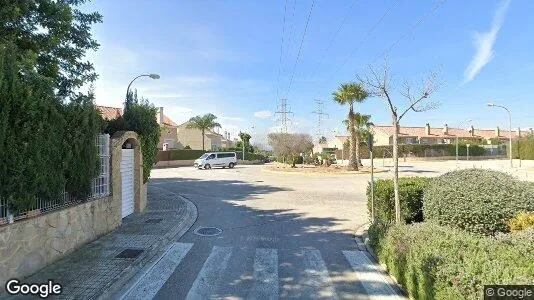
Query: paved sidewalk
x=94, y=270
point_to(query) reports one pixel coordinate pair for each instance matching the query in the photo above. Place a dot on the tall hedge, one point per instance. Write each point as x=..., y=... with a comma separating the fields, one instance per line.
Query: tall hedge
x=140, y=116
x=46, y=145
x=523, y=148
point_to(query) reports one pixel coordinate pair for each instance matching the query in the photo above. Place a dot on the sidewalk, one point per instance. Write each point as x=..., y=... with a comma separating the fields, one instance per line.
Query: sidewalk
x=106, y=264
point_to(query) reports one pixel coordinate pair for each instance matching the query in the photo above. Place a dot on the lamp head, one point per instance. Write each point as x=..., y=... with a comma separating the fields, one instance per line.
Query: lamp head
x=154, y=76
x=490, y=104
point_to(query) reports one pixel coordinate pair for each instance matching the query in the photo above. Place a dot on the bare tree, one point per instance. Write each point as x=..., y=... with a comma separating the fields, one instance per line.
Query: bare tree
x=379, y=84
x=290, y=145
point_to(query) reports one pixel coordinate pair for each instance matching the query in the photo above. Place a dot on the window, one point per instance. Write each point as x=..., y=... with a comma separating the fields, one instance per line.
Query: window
x=409, y=140
x=211, y=156
x=223, y=155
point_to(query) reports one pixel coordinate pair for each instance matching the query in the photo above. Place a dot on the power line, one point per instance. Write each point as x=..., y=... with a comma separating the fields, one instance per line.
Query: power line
x=300, y=48
x=349, y=10
x=367, y=35
x=429, y=13
x=283, y=115
x=281, y=48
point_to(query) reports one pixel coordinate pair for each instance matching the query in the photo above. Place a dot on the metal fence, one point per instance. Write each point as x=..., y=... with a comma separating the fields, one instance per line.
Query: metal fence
x=100, y=188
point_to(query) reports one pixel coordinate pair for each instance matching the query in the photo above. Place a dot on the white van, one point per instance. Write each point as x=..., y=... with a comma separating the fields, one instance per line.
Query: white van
x=217, y=159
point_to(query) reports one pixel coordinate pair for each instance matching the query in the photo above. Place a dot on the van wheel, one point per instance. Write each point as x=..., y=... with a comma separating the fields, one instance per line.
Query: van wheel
x=231, y=165
x=207, y=166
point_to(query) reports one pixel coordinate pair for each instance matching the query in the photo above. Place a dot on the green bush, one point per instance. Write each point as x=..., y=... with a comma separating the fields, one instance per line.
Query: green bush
x=477, y=200
x=523, y=148
x=434, y=262
x=411, y=199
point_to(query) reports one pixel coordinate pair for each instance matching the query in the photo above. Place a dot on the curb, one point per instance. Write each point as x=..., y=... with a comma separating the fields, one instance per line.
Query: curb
x=323, y=173
x=130, y=276
x=362, y=240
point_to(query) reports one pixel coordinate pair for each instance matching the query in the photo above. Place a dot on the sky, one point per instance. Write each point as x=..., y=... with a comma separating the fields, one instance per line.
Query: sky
x=238, y=58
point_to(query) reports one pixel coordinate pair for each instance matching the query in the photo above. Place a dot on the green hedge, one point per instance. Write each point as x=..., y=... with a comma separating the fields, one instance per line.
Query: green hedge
x=433, y=262
x=194, y=154
x=411, y=199
x=477, y=200
x=523, y=148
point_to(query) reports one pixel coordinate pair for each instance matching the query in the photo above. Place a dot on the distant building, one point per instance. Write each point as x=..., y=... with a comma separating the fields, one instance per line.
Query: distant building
x=168, y=136
x=192, y=137
x=383, y=136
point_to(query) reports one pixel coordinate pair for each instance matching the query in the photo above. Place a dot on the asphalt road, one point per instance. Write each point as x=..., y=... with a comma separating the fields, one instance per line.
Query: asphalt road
x=283, y=236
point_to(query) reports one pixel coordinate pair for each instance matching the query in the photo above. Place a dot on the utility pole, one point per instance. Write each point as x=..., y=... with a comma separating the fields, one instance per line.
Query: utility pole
x=320, y=117
x=283, y=115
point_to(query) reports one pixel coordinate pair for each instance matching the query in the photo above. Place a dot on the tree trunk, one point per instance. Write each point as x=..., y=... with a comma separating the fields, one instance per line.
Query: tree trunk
x=396, y=168
x=358, y=150
x=353, y=163
x=203, y=148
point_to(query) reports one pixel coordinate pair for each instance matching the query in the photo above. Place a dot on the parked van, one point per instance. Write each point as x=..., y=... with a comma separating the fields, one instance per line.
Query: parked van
x=217, y=159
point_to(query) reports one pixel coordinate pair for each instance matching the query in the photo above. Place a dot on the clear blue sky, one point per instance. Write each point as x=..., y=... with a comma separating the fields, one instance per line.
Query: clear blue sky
x=223, y=57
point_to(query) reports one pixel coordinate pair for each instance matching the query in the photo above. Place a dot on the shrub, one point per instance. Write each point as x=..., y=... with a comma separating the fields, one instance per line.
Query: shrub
x=187, y=147
x=411, y=199
x=477, y=200
x=434, y=262
x=521, y=222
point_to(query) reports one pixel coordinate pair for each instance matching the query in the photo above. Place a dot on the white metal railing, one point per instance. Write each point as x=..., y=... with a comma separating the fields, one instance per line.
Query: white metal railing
x=100, y=188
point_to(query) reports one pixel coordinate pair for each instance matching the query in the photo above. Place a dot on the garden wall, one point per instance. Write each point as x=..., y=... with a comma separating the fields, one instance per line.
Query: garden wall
x=29, y=245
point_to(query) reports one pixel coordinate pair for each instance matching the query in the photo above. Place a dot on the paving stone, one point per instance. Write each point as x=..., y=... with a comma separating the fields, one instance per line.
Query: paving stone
x=91, y=269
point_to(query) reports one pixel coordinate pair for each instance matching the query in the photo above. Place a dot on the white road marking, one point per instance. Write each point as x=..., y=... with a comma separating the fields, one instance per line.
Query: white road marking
x=316, y=275
x=265, y=275
x=375, y=283
x=149, y=285
x=209, y=276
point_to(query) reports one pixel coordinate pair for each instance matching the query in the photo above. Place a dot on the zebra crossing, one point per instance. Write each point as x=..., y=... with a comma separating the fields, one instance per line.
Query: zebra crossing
x=314, y=279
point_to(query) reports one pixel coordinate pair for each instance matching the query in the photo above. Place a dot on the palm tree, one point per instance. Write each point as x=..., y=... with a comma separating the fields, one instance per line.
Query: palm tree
x=203, y=123
x=362, y=126
x=349, y=93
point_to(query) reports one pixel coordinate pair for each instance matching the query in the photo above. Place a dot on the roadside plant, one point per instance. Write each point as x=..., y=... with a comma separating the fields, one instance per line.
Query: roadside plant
x=288, y=146
x=477, y=200
x=363, y=128
x=378, y=84
x=349, y=94
x=522, y=221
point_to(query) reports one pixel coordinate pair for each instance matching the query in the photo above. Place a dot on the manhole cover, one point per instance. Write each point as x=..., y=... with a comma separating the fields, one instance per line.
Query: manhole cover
x=208, y=231
x=153, y=220
x=259, y=180
x=129, y=253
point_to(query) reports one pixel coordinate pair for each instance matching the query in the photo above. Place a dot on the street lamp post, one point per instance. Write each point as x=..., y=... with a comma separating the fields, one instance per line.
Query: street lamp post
x=510, y=120
x=460, y=127
x=153, y=76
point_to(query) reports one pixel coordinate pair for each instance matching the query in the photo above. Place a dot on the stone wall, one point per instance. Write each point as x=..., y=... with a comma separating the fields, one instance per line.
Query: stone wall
x=29, y=245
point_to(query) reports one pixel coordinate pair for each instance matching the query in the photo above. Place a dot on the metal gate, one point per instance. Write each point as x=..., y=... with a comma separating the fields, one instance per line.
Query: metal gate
x=127, y=174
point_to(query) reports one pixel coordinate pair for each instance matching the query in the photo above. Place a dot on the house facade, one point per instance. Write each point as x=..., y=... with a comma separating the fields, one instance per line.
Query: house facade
x=192, y=137
x=168, y=134
x=383, y=136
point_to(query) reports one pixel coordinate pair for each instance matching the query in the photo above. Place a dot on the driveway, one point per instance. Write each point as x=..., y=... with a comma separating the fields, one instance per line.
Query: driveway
x=283, y=236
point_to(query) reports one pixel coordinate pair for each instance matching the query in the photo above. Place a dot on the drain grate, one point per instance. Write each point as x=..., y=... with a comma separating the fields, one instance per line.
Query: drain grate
x=129, y=253
x=208, y=231
x=153, y=220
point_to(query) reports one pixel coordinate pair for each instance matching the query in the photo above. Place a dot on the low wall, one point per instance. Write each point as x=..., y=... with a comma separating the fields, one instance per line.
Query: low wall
x=174, y=163
x=29, y=245
x=430, y=158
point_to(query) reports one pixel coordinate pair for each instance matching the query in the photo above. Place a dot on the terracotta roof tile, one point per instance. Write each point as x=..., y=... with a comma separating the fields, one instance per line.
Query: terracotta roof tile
x=110, y=113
